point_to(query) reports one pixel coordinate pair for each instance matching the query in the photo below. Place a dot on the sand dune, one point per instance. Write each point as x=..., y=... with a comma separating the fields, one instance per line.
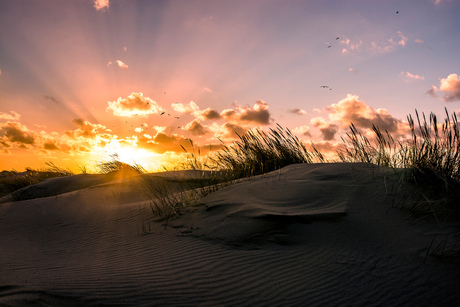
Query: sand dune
x=309, y=234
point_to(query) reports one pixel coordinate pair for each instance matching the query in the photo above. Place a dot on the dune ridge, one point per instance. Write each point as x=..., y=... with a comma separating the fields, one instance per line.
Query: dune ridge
x=308, y=234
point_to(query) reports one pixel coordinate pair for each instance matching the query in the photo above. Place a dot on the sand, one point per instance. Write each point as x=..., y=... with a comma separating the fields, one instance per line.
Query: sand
x=306, y=235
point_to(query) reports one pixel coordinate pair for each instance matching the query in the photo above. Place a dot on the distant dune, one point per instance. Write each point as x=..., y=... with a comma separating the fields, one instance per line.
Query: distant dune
x=307, y=235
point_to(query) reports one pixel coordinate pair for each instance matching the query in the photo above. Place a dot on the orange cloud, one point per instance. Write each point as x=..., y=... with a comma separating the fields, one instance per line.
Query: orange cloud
x=14, y=116
x=134, y=104
x=101, y=4
x=352, y=110
x=119, y=64
x=189, y=108
x=196, y=128
x=87, y=130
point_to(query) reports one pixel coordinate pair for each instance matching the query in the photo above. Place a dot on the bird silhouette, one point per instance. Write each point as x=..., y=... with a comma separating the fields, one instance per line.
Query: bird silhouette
x=397, y=12
x=162, y=113
x=337, y=37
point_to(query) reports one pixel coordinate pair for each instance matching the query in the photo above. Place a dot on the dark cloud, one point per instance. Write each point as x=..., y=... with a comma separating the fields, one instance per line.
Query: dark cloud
x=258, y=114
x=51, y=145
x=298, y=111
x=196, y=128
x=209, y=114
x=52, y=99
x=17, y=133
x=328, y=130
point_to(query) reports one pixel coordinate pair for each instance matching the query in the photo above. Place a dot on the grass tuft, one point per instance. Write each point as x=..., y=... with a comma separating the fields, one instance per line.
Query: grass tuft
x=430, y=159
x=257, y=152
x=11, y=181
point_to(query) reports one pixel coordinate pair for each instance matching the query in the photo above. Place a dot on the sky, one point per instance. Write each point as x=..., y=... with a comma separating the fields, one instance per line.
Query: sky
x=81, y=80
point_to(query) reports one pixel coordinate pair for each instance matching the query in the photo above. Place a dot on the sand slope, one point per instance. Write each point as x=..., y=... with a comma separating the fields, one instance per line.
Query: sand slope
x=316, y=235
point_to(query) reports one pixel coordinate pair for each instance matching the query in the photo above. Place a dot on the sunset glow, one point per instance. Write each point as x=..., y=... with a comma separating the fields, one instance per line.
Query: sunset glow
x=83, y=80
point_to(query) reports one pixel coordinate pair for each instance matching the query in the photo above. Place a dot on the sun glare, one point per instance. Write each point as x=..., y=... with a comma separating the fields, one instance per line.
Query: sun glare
x=133, y=155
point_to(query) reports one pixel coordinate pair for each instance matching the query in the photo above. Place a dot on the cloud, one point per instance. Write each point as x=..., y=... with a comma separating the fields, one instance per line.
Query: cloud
x=162, y=142
x=298, y=111
x=257, y=114
x=207, y=90
x=189, y=108
x=14, y=116
x=228, y=131
x=134, y=104
x=51, y=99
x=390, y=44
x=101, y=4
x=15, y=132
x=352, y=70
x=119, y=63
x=450, y=87
x=408, y=77
x=302, y=130
x=352, y=110
x=208, y=114
x=51, y=145
x=87, y=130
x=196, y=128
x=350, y=47
x=328, y=130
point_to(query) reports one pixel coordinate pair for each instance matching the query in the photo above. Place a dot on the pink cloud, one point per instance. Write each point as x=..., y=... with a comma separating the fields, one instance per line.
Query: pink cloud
x=408, y=77
x=450, y=87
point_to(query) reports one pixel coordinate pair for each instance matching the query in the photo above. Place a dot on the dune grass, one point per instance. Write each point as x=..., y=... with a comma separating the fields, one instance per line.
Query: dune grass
x=11, y=181
x=429, y=159
x=257, y=152
x=114, y=165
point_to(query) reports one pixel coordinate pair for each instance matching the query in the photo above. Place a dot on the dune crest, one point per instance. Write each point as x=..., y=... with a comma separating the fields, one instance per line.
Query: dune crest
x=308, y=234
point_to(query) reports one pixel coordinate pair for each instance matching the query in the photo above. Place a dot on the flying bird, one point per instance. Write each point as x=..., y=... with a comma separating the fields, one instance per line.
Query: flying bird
x=324, y=86
x=162, y=113
x=337, y=37
x=329, y=46
x=397, y=12
x=176, y=117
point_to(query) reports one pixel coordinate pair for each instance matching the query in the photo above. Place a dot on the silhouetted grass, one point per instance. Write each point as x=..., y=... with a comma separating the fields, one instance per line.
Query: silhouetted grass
x=116, y=166
x=257, y=152
x=429, y=159
x=11, y=181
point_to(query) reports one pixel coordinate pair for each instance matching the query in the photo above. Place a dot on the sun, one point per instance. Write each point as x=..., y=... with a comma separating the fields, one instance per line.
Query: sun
x=131, y=154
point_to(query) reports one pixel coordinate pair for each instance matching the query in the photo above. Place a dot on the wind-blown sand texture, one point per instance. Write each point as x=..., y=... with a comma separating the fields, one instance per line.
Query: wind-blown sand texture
x=306, y=235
